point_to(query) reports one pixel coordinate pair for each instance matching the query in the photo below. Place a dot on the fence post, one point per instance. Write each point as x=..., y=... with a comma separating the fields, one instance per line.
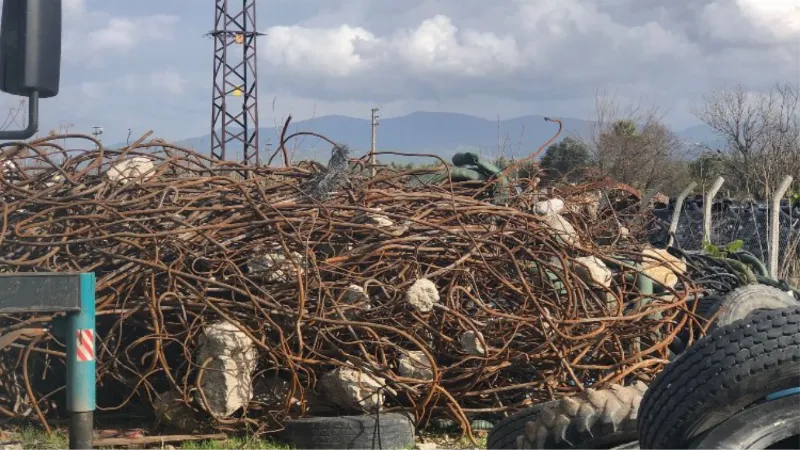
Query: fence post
x=775, y=225
x=708, y=202
x=81, y=367
x=676, y=214
x=649, y=196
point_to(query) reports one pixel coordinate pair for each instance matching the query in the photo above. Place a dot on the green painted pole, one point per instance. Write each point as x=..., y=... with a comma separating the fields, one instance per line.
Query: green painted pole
x=81, y=367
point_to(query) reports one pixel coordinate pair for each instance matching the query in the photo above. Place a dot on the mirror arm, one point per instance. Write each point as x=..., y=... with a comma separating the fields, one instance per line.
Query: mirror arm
x=33, y=121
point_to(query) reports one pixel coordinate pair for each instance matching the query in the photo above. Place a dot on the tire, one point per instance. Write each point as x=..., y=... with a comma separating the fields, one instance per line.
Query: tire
x=729, y=369
x=760, y=426
x=742, y=301
x=387, y=431
x=704, y=309
x=707, y=304
x=633, y=445
x=503, y=436
x=597, y=418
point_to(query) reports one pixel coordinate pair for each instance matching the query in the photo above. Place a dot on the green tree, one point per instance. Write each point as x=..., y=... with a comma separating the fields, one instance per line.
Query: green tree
x=566, y=157
x=706, y=168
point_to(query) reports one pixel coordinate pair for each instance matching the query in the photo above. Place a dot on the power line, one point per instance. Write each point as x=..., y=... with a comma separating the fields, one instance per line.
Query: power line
x=235, y=79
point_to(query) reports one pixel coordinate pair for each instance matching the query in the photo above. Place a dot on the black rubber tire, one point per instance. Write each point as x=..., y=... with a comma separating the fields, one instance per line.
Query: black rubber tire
x=503, y=436
x=742, y=301
x=596, y=418
x=759, y=426
x=632, y=445
x=391, y=431
x=707, y=304
x=722, y=373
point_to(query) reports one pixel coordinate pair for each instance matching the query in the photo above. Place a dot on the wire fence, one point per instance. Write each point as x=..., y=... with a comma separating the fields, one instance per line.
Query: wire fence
x=746, y=223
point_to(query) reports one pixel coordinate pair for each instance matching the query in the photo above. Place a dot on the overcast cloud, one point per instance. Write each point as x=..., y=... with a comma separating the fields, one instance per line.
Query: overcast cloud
x=145, y=64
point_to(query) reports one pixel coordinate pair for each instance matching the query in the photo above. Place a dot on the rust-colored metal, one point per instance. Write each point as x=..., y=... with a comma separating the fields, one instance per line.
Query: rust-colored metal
x=173, y=251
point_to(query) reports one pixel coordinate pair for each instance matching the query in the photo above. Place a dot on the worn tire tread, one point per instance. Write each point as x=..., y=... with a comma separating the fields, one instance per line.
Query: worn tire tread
x=351, y=432
x=725, y=367
x=596, y=417
x=503, y=436
x=742, y=301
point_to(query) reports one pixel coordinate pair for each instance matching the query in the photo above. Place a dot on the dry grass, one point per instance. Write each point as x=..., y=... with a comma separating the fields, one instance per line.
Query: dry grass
x=36, y=438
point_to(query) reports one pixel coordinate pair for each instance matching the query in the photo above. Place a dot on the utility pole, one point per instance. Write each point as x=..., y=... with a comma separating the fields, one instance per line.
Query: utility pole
x=64, y=129
x=372, y=159
x=98, y=130
x=234, y=101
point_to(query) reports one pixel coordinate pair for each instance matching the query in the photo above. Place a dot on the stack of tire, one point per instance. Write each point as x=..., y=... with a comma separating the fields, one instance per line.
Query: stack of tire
x=738, y=387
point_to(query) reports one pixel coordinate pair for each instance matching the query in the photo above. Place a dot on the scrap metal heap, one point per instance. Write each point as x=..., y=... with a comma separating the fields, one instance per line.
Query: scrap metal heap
x=226, y=301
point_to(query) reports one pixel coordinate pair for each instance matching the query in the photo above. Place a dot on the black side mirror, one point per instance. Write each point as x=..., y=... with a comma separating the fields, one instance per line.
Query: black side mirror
x=30, y=55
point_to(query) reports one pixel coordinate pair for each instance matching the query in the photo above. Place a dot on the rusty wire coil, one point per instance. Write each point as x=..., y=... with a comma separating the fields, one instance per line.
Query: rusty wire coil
x=174, y=250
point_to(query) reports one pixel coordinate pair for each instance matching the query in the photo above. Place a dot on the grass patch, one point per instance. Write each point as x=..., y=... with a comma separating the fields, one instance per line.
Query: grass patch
x=36, y=438
x=242, y=442
x=33, y=437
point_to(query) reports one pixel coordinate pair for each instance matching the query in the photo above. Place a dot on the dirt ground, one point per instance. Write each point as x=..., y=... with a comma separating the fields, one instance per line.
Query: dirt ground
x=36, y=438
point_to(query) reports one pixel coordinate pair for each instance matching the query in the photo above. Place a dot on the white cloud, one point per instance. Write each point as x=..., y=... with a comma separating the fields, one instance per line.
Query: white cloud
x=535, y=48
x=781, y=17
x=332, y=50
x=73, y=8
x=538, y=40
x=157, y=83
x=124, y=34
x=168, y=81
x=92, y=37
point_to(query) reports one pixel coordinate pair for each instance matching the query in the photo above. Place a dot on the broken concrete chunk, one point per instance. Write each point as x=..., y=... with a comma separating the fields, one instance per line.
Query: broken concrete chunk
x=375, y=218
x=354, y=300
x=227, y=378
x=586, y=204
x=423, y=295
x=275, y=266
x=548, y=207
x=355, y=295
x=138, y=168
x=471, y=343
x=565, y=231
x=662, y=267
x=353, y=390
x=380, y=220
x=593, y=271
x=415, y=365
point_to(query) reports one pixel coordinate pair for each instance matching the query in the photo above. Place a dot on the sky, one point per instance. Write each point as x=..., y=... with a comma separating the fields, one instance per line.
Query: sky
x=146, y=65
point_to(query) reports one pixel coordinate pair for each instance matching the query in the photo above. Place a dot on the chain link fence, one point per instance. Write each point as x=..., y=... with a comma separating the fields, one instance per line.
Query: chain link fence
x=745, y=223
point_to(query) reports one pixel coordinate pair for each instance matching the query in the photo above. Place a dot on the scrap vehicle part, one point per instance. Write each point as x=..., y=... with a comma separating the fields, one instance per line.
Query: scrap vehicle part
x=391, y=430
x=503, y=435
x=596, y=418
x=772, y=424
x=734, y=367
x=742, y=301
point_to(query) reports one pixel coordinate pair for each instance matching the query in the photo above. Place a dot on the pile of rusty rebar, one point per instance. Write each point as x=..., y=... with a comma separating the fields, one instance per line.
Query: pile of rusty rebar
x=278, y=251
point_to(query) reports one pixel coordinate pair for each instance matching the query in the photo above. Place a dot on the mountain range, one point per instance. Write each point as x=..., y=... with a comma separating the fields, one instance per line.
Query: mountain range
x=442, y=134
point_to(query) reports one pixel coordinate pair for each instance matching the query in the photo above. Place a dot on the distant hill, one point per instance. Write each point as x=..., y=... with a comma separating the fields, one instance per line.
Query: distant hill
x=703, y=135
x=442, y=134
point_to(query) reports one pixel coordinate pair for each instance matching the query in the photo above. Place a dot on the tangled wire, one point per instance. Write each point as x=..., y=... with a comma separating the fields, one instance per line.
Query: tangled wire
x=318, y=270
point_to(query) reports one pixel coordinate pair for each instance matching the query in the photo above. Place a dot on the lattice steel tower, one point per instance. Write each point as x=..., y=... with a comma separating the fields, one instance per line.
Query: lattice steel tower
x=234, y=109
